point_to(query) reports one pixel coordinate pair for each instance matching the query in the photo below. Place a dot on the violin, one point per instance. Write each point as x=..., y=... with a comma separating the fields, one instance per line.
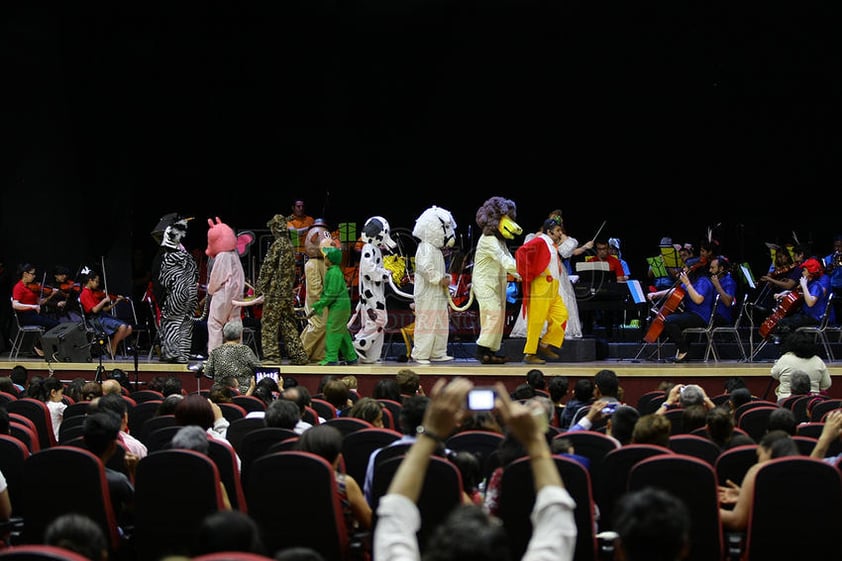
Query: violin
x=100, y=294
x=781, y=271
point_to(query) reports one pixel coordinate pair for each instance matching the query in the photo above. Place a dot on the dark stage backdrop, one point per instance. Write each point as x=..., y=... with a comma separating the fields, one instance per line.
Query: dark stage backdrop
x=661, y=119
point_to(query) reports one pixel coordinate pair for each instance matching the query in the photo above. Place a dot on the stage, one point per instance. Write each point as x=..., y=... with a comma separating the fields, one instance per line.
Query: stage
x=638, y=374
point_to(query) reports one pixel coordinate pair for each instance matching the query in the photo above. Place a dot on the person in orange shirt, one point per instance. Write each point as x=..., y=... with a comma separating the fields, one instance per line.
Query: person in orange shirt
x=298, y=226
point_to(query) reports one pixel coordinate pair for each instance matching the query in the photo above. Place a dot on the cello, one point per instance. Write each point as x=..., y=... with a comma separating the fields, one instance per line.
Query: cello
x=787, y=305
x=670, y=304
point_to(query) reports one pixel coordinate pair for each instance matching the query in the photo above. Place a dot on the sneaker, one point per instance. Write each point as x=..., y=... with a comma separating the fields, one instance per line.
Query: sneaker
x=444, y=358
x=421, y=361
x=533, y=359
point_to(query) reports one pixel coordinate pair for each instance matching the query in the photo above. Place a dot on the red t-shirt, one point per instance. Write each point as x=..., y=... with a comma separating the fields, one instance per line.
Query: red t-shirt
x=614, y=265
x=88, y=300
x=23, y=294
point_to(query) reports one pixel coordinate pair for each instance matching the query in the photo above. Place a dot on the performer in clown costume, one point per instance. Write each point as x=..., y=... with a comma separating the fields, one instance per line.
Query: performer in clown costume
x=226, y=280
x=175, y=279
x=374, y=277
x=492, y=263
x=435, y=229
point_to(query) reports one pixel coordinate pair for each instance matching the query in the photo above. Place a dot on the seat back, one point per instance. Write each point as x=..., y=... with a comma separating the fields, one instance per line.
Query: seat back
x=814, y=430
x=805, y=444
x=256, y=443
x=795, y=521
x=673, y=473
x=755, y=420
x=146, y=395
x=325, y=409
x=38, y=413
x=649, y=402
x=347, y=425
x=517, y=497
x=395, y=408
x=13, y=454
x=160, y=438
x=153, y=423
x=232, y=411
x=594, y=446
x=140, y=413
x=820, y=409
x=80, y=408
x=232, y=556
x=40, y=553
x=323, y=528
x=228, y=465
x=798, y=405
x=71, y=427
x=89, y=494
x=696, y=446
x=240, y=427
x=616, y=466
x=733, y=463
x=751, y=405
x=480, y=443
x=249, y=402
x=441, y=492
x=174, y=491
x=357, y=447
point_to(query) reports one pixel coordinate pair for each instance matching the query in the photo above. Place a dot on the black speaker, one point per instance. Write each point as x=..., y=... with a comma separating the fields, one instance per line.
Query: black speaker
x=67, y=342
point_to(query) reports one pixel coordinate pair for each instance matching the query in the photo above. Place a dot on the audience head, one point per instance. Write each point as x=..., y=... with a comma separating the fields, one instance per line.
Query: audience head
x=232, y=331
x=73, y=389
x=523, y=392
x=691, y=394
x=606, y=383
x=799, y=383
x=228, y=530
x=583, y=390
x=652, y=429
x=412, y=413
x=111, y=386
x=91, y=390
x=720, y=425
x=172, y=385
x=44, y=388
x=408, y=380
x=734, y=382
x=78, y=533
x=322, y=440
x=168, y=404
x=776, y=444
x=19, y=375
x=114, y=403
x=336, y=393
x=693, y=417
x=621, y=423
x=468, y=534
x=289, y=382
x=469, y=468
x=782, y=419
x=7, y=386
x=653, y=525
x=100, y=431
x=194, y=410
x=368, y=409
x=283, y=413
x=387, y=388
x=191, y=437
x=738, y=397
x=535, y=378
x=558, y=388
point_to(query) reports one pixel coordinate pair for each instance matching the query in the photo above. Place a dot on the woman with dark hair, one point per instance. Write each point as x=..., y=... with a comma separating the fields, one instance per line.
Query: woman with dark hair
x=197, y=410
x=387, y=388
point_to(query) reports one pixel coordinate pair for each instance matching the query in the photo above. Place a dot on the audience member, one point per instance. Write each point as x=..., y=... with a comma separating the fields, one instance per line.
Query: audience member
x=73, y=390
x=651, y=525
x=168, y=404
x=78, y=533
x=100, y=433
x=283, y=413
x=800, y=353
x=775, y=444
x=172, y=385
x=409, y=382
x=7, y=386
x=471, y=473
x=111, y=386
x=300, y=395
x=693, y=417
x=326, y=441
x=558, y=388
x=583, y=391
x=681, y=396
x=652, y=429
x=20, y=376
x=468, y=533
x=119, y=406
x=232, y=357
x=782, y=419
x=739, y=397
x=720, y=429
x=336, y=393
x=197, y=410
x=523, y=392
x=91, y=390
x=50, y=390
x=799, y=384
x=535, y=378
x=734, y=382
x=387, y=388
x=368, y=409
x=228, y=530
x=831, y=432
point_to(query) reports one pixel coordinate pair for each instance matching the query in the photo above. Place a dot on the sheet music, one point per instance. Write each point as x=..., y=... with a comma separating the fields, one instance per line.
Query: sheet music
x=748, y=276
x=636, y=291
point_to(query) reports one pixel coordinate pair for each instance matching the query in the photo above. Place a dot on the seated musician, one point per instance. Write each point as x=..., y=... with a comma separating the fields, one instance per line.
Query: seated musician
x=95, y=303
x=603, y=255
x=27, y=299
x=725, y=285
x=65, y=305
x=697, y=294
x=814, y=289
x=784, y=274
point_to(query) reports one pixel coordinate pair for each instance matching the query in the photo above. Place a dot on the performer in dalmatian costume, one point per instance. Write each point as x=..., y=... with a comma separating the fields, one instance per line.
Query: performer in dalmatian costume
x=373, y=279
x=435, y=229
x=492, y=262
x=175, y=285
x=226, y=280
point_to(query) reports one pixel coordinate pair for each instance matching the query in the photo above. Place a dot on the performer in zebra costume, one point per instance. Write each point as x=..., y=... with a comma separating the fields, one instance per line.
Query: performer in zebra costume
x=175, y=278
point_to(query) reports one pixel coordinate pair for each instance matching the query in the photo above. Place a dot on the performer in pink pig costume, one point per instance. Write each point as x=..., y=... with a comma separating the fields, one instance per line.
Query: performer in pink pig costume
x=225, y=281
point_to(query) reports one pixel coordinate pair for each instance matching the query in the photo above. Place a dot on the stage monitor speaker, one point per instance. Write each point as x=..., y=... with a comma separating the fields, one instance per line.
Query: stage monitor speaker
x=67, y=342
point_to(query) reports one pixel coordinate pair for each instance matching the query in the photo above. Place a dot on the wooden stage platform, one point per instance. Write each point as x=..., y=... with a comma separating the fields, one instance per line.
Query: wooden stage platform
x=636, y=376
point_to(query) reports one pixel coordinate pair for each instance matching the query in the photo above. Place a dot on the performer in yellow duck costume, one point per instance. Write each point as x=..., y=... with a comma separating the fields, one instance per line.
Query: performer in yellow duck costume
x=492, y=263
x=539, y=266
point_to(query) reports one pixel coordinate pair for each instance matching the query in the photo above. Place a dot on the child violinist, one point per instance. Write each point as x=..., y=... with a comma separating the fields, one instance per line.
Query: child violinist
x=27, y=299
x=94, y=303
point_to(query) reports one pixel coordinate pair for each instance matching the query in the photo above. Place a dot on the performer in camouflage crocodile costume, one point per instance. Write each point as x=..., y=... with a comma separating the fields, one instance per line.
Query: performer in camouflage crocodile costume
x=276, y=282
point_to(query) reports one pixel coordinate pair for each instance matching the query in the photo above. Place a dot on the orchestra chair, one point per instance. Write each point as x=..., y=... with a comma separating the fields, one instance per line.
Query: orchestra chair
x=174, y=491
x=755, y=421
x=40, y=553
x=820, y=409
x=819, y=331
x=347, y=425
x=313, y=486
x=705, y=332
x=616, y=466
x=13, y=455
x=256, y=442
x=733, y=463
x=696, y=446
x=89, y=493
x=325, y=409
x=357, y=447
x=139, y=414
x=796, y=511
x=22, y=332
x=240, y=427
x=37, y=411
x=441, y=491
x=732, y=330
x=672, y=472
x=517, y=497
x=249, y=403
x=228, y=464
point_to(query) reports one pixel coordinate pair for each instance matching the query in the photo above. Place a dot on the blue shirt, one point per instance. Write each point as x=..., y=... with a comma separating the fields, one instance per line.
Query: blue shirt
x=729, y=285
x=704, y=287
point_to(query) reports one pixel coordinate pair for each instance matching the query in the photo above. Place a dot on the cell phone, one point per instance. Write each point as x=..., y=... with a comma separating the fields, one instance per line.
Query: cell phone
x=273, y=372
x=610, y=408
x=481, y=399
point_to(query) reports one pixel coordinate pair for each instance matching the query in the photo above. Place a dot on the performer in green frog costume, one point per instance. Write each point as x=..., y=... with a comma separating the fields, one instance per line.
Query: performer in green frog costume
x=338, y=303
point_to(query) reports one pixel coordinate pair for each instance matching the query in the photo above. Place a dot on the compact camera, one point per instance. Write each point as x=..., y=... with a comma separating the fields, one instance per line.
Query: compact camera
x=610, y=408
x=481, y=399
